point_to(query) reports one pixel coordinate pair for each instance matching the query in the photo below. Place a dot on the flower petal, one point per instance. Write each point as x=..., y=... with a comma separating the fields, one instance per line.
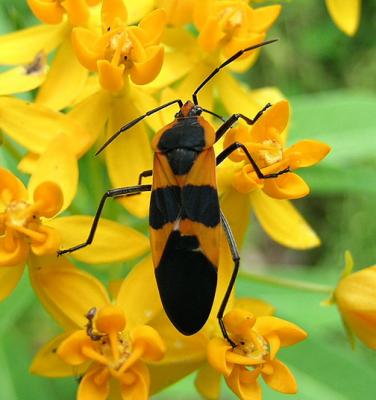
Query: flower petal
x=144, y=72
x=345, y=14
x=355, y=299
x=70, y=349
x=111, y=77
x=59, y=165
x=11, y=188
x=191, y=81
x=263, y=18
x=49, y=197
x=66, y=292
x=287, y=332
x=144, y=102
x=9, y=277
x=129, y=155
x=150, y=341
x=91, y=114
x=237, y=210
x=210, y=35
x=136, y=10
x=32, y=41
x=181, y=56
x=256, y=306
x=28, y=163
x=153, y=26
x=180, y=348
x=140, y=378
x=244, y=383
x=92, y=388
x=140, y=309
x=286, y=186
x=49, y=12
x=238, y=43
x=19, y=79
x=235, y=96
x=85, y=46
x=14, y=254
x=77, y=11
x=48, y=363
x=65, y=79
x=207, y=382
x=273, y=121
x=282, y=222
x=113, y=242
x=218, y=350
x=114, y=14
x=34, y=126
x=281, y=379
x=306, y=153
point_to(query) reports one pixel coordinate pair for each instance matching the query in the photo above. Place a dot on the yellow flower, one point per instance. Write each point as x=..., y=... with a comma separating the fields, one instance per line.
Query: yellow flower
x=345, y=14
x=53, y=11
x=21, y=227
x=179, y=12
x=122, y=49
x=232, y=25
x=356, y=301
x=111, y=346
x=265, y=143
x=258, y=341
x=225, y=27
x=241, y=188
x=31, y=233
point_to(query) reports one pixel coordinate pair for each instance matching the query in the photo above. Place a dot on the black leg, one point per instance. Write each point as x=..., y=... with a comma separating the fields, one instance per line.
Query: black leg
x=230, y=122
x=228, y=61
x=236, y=145
x=136, y=121
x=236, y=258
x=119, y=192
x=144, y=174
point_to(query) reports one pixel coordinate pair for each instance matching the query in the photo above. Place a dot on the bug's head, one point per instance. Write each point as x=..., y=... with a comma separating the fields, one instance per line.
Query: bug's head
x=189, y=110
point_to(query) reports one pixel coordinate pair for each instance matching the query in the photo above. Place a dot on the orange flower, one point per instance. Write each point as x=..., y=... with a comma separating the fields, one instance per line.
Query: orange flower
x=265, y=142
x=258, y=341
x=122, y=49
x=53, y=11
x=356, y=301
x=232, y=25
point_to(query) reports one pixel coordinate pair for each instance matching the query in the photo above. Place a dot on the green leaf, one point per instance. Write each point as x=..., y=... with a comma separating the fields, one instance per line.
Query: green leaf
x=345, y=120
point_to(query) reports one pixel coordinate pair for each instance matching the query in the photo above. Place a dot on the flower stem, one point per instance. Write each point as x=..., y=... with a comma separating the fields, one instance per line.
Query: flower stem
x=286, y=283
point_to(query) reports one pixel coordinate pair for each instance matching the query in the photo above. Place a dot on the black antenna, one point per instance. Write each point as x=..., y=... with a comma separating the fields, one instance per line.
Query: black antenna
x=136, y=121
x=228, y=61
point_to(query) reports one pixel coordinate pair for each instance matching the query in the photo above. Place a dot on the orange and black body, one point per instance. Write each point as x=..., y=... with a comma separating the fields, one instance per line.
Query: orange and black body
x=185, y=218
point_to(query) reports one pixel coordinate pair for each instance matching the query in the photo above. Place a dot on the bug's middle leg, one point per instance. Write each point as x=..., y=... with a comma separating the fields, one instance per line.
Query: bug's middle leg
x=236, y=145
x=236, y=258
x=119, y=192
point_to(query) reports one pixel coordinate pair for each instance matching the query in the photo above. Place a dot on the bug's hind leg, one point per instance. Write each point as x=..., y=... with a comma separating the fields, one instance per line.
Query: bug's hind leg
x=119, y=192
x=236, y=258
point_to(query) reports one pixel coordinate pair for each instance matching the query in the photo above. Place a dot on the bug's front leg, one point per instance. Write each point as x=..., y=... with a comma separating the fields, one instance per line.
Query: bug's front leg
x=113, y=193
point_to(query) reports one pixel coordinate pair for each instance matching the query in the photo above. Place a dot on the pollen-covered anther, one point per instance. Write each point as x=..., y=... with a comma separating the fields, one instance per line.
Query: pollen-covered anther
x=272, y=153
x=254, y=346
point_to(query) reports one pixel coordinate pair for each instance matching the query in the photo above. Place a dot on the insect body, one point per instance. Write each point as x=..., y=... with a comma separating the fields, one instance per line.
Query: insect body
x=185, y=217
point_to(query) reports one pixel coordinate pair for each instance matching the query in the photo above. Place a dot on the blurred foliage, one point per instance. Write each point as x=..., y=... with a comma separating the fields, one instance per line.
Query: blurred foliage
x=330, y=80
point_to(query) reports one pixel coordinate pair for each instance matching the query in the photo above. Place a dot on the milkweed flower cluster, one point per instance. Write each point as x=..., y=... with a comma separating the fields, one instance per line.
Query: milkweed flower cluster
x=110, y=62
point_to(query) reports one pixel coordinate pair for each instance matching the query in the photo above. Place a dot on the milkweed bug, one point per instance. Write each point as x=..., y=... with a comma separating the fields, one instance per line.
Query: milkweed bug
x=185, y=216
